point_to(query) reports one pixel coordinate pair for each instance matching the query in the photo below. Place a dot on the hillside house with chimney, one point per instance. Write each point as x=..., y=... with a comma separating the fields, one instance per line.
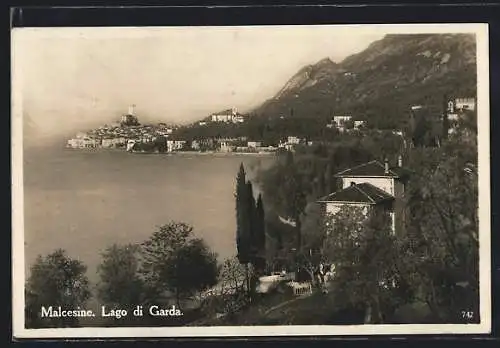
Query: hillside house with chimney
x=371, y=185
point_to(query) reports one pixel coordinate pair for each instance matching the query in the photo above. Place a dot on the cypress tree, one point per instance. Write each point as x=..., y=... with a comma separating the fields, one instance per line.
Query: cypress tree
x=260, y=228
x=242, y=217
x=251, y=220
x=250, y=223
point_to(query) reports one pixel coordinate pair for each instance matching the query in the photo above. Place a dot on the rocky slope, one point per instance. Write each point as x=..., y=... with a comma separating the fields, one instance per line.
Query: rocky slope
x=380, y=83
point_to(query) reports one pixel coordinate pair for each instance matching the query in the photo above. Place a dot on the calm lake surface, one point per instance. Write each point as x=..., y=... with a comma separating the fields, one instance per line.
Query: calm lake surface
x=84, y=201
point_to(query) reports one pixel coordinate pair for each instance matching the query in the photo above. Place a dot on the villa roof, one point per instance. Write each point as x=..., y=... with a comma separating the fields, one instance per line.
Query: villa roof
x=227, y=112
x=358, y=193
x=224, y=112
x=372, y=169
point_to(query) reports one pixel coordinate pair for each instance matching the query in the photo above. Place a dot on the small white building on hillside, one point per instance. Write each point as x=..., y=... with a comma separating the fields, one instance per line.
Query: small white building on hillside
x=228, y=116
x=465, y=104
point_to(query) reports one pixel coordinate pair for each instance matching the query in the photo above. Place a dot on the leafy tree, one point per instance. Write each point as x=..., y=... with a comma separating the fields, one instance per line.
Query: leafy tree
x=161, y=144
x=232, y=276
x=173, y=260
x=443, y=231
x=231, y=294
x=349, y=124
x=193, y=268
x=55, y=280
x=313, y=226
x=362, y=247
x=120, y=285
x=292, y=195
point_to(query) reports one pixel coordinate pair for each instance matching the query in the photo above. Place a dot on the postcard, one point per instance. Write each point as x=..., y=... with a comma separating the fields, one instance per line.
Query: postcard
x=244, y=181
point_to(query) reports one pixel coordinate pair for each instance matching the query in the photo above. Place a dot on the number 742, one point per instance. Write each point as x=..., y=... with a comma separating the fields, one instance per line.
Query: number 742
x=467, y=315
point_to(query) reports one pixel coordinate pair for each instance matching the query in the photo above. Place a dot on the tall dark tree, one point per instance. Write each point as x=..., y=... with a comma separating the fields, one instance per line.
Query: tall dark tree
x=242, y=227
x=260, y=232
x=251, y=220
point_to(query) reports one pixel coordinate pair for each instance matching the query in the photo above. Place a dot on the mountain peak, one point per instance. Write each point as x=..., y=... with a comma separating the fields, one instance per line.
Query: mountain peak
x=325, y=62
x=309, y=75
x=380, y=82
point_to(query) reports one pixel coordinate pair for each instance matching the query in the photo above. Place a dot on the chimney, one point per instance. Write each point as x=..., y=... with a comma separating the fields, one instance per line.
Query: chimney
x=400, y=161
x=131, y=109
x=386, y=166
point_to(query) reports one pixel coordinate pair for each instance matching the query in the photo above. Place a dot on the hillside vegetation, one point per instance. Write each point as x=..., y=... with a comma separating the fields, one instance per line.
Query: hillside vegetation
x=382, y=82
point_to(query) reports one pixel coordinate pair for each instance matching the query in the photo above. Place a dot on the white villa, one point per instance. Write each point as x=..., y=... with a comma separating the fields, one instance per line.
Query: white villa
x=230, y=115
x=341, y=119
x=465, y=104
x=369, y=186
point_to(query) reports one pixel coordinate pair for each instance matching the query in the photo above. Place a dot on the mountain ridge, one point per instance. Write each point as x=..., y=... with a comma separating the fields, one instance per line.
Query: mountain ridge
x=387, y=77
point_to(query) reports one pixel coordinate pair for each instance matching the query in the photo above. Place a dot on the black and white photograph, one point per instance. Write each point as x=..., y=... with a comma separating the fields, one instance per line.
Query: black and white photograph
x=215, y=181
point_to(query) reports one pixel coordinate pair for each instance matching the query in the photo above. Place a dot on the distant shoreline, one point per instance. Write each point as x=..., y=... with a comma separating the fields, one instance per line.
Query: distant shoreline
x=174, y=153
x=215, y=154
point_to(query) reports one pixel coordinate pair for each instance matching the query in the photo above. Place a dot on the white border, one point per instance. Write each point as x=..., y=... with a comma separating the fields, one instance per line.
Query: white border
x=481, y=31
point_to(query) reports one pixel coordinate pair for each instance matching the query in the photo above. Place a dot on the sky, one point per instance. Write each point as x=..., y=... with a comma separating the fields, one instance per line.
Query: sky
x=71, y=79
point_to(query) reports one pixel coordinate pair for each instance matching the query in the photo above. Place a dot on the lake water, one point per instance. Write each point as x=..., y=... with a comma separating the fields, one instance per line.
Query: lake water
x=84, y=201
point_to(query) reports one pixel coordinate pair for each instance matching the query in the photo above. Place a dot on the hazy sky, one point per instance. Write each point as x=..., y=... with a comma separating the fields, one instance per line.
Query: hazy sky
x=76, y=78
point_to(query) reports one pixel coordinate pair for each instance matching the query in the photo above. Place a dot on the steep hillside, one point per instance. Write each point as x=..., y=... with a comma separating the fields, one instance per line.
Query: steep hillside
x=380, y=83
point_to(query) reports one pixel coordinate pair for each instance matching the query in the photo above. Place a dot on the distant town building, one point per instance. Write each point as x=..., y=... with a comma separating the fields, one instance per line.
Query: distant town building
x=195, y=145
x=455, y=109
x=175, y=145
x=225, y=146
x=229, y=115
x=359, y=124
x=254, y=144
x=83, y=143
x=465, y=104
x=339, y=122
x=113, y=142
x=130, y=144
x=341, y=119
x=130, y=119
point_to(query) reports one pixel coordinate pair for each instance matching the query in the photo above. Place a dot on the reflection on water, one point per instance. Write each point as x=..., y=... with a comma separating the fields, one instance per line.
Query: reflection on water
x=85, y=201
